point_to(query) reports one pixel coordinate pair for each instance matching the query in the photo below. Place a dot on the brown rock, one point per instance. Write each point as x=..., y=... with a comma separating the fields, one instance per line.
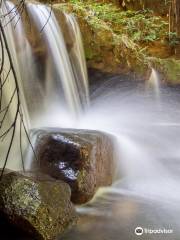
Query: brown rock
x=82, y=158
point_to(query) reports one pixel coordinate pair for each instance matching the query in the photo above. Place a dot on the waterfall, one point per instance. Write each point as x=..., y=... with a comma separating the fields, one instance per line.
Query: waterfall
x=64, y=73
x=71, y=72
x=78, y=59
x=153, y=84
x=46, y=90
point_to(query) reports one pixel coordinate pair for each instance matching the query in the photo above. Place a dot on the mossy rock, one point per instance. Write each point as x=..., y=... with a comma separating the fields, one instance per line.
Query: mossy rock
x=39, y=207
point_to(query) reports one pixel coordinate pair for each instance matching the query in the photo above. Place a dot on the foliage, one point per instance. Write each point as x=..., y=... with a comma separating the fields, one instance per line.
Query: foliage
x=140, y=26
x=173, y=39
x=136, y=37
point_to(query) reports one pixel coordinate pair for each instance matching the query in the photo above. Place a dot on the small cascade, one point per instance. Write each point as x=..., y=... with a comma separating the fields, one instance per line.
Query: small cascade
x=153, y=84
x=78, y=60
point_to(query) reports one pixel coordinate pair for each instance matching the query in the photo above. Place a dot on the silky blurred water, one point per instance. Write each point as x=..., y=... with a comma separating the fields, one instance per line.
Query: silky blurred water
x=146, y=190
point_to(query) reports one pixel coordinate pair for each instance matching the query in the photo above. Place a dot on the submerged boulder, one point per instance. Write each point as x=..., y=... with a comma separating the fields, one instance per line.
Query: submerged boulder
x=82, y=158
x=38, y=206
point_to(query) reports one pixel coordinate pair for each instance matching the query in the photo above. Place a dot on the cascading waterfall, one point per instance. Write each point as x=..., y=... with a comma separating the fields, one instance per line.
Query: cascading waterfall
x=65, y=75
x=78, y=59
x=72, y=76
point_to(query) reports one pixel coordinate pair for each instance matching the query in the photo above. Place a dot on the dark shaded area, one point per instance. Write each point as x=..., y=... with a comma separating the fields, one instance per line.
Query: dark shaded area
x=103, y=84
x=59, y=157
x=98, y=78
x=40, y=208
x=8, y=232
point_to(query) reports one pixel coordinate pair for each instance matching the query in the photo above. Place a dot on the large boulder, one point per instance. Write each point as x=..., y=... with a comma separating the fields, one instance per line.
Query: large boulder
x=82, y=158
x=38, y=206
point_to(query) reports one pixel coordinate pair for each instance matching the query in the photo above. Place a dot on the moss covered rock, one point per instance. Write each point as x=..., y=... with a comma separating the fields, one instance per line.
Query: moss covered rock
x=40, y=207
x=82, y=158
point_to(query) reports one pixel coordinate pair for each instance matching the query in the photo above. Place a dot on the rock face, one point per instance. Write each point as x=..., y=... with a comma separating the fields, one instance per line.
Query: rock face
x=83, y=159
x=40, y=207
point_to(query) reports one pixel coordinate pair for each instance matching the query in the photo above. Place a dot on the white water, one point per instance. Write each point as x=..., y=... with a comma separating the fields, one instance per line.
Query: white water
x=20, y=49
x=65, y=75
x=148, y=164
x=73, y=77
x=153, y=83
x=146, y=147
x=78, y=59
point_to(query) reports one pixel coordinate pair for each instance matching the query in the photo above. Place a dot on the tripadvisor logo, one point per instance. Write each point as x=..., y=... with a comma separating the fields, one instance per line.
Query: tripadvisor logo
x=139, y=231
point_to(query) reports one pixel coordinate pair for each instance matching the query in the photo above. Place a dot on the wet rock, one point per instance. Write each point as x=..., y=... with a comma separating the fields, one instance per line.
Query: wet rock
x=83, y=159
x=40, y=207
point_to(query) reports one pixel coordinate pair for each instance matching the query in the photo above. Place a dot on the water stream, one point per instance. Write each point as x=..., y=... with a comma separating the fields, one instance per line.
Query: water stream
x=147, y=193
x=69, y=72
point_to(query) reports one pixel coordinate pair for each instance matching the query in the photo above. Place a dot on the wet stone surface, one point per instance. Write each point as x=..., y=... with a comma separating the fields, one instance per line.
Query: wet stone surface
x=82, y=158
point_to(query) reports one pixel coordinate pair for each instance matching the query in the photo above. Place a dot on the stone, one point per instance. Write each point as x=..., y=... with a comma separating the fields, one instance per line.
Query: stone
x=82, y=158
x=39, y=206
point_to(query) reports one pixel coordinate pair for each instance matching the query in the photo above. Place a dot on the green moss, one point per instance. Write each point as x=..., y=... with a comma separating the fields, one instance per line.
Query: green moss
x=89, y=54
x=102, y=19
x=110, y=24
x=140, y=26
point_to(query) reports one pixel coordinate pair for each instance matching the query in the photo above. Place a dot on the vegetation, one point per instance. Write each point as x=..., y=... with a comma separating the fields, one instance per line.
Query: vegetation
x=140, y=26
x=123, y=40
